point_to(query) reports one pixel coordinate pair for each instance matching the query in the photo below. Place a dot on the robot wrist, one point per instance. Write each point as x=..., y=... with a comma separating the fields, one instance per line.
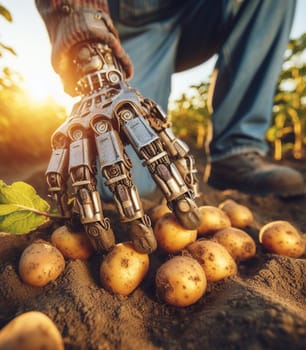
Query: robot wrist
x=95, y=67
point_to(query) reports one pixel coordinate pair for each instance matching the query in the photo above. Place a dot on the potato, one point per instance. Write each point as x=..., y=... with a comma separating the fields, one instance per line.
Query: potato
x=123, y=269
x=212, y=219
x=158, y=211
x=239, y=215
x=180, y=281
x=237, y=242
x=171, y=236
x=280, y=237
x=73, y=245
x=214, y=259
x=31, y=330
x=40, y=263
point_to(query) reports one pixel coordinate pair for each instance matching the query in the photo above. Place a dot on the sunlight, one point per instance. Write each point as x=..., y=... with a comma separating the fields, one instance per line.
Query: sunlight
x=40, y=89
x=36, y=91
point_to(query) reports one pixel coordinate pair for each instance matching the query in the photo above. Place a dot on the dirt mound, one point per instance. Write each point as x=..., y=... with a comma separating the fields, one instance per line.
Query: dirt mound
x=263, y=307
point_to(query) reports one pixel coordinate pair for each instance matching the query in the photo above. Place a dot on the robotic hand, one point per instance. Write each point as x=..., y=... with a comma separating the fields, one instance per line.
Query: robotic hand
x=109, y=115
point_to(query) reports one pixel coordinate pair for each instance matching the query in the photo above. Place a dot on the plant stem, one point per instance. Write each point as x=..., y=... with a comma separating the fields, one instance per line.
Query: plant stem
x=40, y=212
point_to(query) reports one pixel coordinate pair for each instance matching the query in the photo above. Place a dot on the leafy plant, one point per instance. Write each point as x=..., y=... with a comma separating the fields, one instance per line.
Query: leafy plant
x=26, y=127
x=22, y=210
x=190, y=115
x=289, y=112
x=4, y=12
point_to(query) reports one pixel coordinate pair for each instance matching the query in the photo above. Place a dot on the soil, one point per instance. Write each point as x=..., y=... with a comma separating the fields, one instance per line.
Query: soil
x=262, y=307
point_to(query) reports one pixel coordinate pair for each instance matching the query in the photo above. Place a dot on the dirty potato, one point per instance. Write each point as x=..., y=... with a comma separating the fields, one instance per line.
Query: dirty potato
x=31, y=330
x=239, y=215
x=158, y=211
x=73, y=245
x=212, y=219
x=123, y=269
x=180, y=281
x=214, y=259
x=171, y=236
x=237, y=242
x=280, y=237
x=40, y=263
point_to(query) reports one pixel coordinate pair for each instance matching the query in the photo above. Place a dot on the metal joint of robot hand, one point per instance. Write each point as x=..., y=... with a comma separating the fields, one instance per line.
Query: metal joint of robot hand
x=97, y=67
x=145, y=138
x=56, y=180
x=76, y=160
x=184, y=161
x=176, y=148
x=83, y=180
x=148, y=145
x=115, y=167
x=110, y=114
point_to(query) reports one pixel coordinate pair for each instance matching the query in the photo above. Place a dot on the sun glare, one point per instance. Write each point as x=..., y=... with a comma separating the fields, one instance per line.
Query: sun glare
x=37, y=92
x=40, y=89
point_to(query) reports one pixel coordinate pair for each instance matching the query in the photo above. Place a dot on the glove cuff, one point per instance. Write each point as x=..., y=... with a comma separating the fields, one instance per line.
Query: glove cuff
x=68, y=24
x=96, y=67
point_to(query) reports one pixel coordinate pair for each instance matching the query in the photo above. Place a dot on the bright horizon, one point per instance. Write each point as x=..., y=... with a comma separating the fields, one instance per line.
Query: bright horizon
x=28, y=37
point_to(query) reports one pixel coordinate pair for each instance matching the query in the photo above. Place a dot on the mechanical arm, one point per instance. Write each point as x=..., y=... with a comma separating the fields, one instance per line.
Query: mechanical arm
x=109, y=115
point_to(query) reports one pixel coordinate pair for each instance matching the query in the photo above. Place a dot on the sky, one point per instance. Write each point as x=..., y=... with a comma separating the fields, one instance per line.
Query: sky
x=28, y=37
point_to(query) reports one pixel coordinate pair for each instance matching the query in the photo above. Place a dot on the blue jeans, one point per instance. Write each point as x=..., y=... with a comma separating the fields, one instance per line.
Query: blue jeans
x=249, y=39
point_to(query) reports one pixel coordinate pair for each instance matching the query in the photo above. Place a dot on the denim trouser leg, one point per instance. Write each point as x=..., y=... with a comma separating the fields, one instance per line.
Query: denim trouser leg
x=246, y=73
x=250, y=45
x=152, y=49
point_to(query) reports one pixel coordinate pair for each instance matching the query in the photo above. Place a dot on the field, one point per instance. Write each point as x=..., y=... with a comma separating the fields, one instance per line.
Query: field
x=263, y=307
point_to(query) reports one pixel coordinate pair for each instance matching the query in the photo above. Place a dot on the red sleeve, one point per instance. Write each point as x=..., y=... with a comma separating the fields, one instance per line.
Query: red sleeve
x=69, y=22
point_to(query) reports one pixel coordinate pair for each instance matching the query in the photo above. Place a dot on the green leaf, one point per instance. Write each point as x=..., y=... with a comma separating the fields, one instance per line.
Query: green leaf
x=22, y=210
x=6, y=209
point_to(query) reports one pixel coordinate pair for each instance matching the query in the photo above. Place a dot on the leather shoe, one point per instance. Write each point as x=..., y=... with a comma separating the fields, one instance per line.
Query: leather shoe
x=251, y=173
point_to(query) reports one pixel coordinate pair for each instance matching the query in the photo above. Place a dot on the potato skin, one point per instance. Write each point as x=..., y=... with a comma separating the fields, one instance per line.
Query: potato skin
x=31, y=330
x=280, y=237
x=212, y=219
x=40, y=263
x=180, y=281
x=239, y=215
x=123, y=269
x=73, y=245
x=214, y=259
x=158, y=211
x=237, y=242
x=171, y=236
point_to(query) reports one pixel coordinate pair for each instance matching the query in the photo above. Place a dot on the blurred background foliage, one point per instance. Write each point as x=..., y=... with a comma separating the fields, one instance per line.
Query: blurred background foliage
x=287, y=131
x=26, y=126
x=190, y=114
